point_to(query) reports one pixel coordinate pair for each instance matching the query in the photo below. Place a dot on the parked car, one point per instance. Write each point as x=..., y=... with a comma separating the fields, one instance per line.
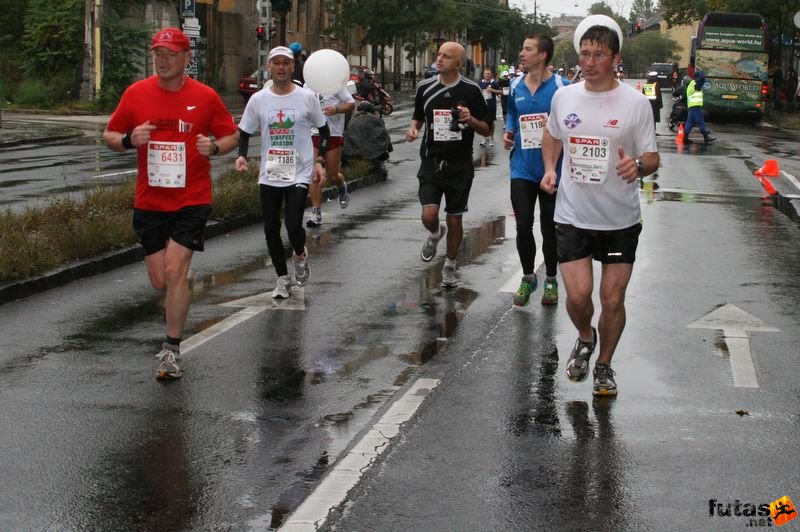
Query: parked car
x=666, y=74
x=429, y=71
x=357, y=72
x=249, y=84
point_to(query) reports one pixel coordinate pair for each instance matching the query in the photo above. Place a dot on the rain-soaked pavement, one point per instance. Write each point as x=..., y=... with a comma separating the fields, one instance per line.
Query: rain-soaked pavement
x=284, y=408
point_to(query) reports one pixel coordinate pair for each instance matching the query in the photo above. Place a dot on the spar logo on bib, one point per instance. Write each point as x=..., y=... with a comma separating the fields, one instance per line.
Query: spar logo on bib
x=572, y=121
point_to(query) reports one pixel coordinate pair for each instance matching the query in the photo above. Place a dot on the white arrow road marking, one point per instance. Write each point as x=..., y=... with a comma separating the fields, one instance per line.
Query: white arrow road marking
x=333, y=489
x=253, y=305
x=791, y=178
x=735, y=324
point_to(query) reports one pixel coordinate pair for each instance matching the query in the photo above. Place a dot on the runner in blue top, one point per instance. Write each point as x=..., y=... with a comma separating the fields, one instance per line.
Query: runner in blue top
x=528, y=108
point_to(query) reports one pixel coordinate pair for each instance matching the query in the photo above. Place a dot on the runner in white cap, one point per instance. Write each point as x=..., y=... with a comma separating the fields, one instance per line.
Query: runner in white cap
x=284, y=114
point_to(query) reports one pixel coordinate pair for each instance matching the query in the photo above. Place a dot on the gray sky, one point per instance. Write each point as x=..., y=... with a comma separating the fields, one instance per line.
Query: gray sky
x=554, y=8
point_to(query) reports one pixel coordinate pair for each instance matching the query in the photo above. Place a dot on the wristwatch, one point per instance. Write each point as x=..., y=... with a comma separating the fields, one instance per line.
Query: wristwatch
x=127, y=143
x=639, y=168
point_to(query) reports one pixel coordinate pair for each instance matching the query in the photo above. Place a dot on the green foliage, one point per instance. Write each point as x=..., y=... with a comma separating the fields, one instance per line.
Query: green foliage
x=601, y=8
x=564, y=55
x=517, y=28
x=34, y=93
x=123, y=55
x=236, y=193
x=778, y=13
x=383, y=23
x=40, y=239
x=642, y=9
x=10, y=52
x=53, y=37
x=72, y=228
x=647, y=48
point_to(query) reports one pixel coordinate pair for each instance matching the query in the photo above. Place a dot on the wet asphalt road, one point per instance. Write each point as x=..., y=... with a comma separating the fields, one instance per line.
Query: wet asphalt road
x=281, y=402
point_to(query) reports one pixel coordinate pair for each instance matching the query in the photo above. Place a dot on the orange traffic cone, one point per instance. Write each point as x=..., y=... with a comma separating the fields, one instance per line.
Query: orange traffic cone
x=679, y=136
x=770, y=169
x=767, y=186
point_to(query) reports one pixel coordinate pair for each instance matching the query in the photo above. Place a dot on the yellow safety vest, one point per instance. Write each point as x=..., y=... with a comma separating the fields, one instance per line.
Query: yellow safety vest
x=650, y=91
x=694, y=97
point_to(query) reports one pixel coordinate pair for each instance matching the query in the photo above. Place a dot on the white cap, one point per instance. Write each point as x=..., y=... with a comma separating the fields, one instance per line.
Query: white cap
x=595, y=20
x=280, y=50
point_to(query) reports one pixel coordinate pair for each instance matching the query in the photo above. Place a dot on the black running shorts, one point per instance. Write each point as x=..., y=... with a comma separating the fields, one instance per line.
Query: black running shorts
x=451, y=178
x=608, y=247
x=186, y=226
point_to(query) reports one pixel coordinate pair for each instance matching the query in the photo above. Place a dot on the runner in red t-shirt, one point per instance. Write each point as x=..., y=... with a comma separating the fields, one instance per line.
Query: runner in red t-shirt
x=176, y=124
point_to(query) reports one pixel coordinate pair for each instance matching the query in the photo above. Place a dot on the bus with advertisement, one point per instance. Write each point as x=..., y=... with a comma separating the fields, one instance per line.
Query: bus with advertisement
x=732, y=51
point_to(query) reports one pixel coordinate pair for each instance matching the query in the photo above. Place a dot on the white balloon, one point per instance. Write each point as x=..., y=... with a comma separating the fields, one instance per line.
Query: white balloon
x=326, y=71
x=595, y=20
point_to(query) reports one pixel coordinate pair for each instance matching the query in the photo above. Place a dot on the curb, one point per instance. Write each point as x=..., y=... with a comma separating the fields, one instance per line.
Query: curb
x=70, y=133
x=106, y=262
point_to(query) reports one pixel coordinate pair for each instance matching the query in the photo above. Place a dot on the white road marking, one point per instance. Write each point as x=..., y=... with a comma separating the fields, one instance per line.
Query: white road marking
x=253, y=306
x=791, y=178
x=736, y=324
x=333, y=489
x=116, y=174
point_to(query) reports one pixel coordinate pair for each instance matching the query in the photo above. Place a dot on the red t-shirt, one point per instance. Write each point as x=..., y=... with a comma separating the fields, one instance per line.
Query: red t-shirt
x=179, y=116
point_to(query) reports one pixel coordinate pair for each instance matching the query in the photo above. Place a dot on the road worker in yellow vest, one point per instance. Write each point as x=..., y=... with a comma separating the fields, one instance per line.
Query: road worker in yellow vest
x=694, y=99
x=652, y=90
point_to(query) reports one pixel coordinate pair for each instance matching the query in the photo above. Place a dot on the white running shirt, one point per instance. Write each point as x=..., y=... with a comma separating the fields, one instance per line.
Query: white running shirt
x=592, y=126
x=285, y=122
x=335, y=122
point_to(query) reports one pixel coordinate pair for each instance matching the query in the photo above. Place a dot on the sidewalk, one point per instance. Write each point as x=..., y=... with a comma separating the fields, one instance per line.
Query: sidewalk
x=15, y=132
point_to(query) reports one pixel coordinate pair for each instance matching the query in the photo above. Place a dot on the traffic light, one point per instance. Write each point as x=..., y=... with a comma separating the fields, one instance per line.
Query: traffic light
x=260, y=33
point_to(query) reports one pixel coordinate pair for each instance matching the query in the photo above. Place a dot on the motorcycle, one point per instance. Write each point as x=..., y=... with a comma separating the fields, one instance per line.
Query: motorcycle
x=678, y=114
x=380, y=100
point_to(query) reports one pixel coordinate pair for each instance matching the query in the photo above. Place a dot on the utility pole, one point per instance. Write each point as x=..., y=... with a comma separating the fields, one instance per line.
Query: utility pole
x=98, y=50
x=92, y=56
x=265, y=21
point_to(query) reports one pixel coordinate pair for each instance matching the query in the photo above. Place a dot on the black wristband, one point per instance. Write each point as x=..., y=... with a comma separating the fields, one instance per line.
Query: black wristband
x=216, y=148
x=126, y=141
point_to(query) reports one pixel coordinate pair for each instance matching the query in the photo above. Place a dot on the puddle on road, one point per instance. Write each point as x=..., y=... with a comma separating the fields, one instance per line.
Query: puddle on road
x=443, y=310
x=437, y=311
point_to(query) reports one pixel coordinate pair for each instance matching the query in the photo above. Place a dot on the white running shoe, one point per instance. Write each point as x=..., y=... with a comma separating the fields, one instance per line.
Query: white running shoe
x=301, y=268
x=282, y=287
